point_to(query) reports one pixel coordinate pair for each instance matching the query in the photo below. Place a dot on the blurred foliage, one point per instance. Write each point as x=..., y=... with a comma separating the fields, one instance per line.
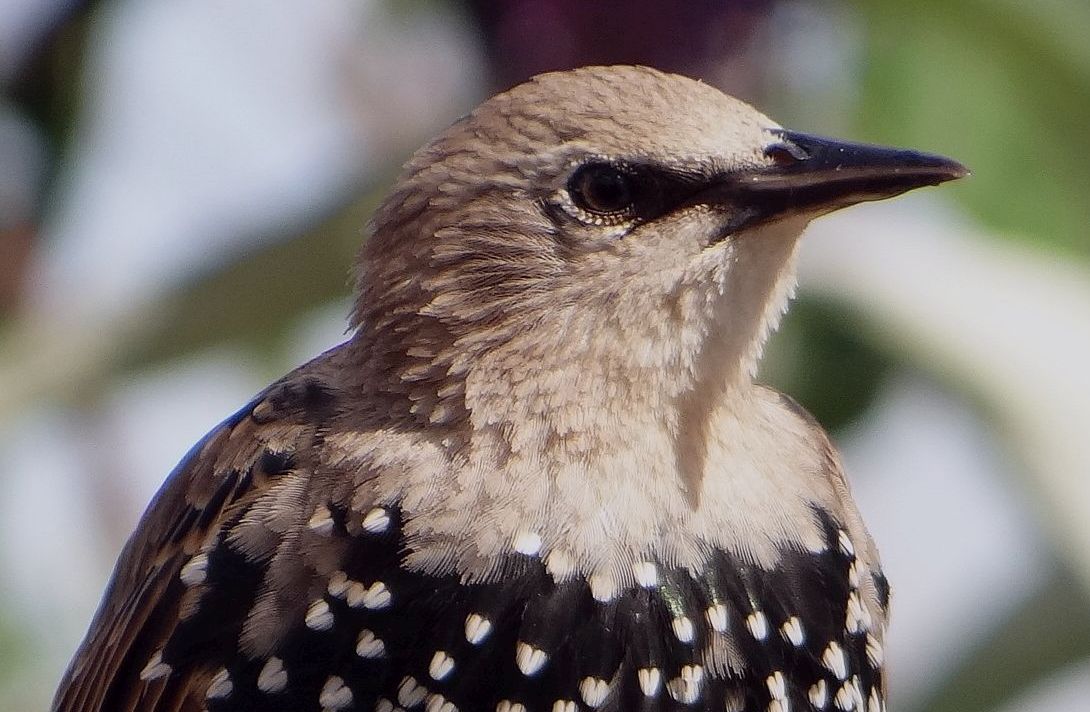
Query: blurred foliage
x=1047, y=633
x=822, y=358
x=1004, y=86
x=266, y=290
x=15, y=642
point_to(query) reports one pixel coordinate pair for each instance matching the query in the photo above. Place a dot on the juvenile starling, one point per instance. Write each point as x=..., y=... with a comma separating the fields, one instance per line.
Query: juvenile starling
x=539, y=476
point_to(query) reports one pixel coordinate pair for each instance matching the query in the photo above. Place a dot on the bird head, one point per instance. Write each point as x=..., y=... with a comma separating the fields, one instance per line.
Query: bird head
x=608, y=224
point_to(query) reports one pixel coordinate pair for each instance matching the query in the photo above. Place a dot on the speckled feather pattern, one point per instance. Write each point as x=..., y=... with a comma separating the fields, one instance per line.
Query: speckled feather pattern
x=538, y=477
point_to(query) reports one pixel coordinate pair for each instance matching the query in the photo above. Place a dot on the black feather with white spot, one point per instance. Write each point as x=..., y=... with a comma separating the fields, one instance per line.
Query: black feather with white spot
x=733, y=636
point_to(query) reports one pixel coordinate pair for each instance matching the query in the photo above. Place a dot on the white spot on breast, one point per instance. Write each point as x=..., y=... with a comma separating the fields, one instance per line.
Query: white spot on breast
x=273, y=677
x=319, y=617
x=529, y=659
x=438, y=703
x=374, y=598
x=155, y=668
x=835, y=661
x=777, y=687
x=846, y=546
x=195, y=570
x=384, y=705
x=594, y=690
x=338, y=584
x=335, y=695
x=376, y=521
x=845, y=697
x=686, y=687
x=368, y=646
x=220, y=686
x=321, y=522
x=683, y=629
x=354, y=593
x=410, y=693
x=717, y=617
x=876, y=654
x=853, y=574
x=650, y=681
x=646, y=573
x=757, y=624
x=874, y=701
x=477, y=628
x=792, y=631
x=564, y=706
x=559, y=564
x=819, y=694
x=783, y=705
x=441, y=665
x=509, y=706
x=528, y=543
x=854, y=619
x=603, y=588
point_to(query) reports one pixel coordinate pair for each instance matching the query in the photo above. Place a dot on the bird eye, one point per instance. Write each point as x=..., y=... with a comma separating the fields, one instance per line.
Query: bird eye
x=602, y=189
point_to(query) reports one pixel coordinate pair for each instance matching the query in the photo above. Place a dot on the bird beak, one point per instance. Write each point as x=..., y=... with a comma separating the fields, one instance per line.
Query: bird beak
x=813, y=175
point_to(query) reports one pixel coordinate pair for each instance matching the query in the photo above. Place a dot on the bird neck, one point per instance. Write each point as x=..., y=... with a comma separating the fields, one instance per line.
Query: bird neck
x=598, y=428
x=592, y=367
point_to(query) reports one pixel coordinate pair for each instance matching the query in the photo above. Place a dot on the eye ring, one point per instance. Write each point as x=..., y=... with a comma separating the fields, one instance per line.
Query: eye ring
x=602, y=189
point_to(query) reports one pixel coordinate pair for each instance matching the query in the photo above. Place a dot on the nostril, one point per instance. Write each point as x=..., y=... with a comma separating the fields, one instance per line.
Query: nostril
x=786, y=154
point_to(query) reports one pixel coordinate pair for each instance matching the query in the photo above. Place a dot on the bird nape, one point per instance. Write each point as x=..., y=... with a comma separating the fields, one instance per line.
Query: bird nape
x=539, y=476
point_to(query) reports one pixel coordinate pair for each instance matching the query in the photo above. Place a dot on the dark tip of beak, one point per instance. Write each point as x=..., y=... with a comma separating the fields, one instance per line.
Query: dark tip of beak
x=811, y=175
x=803, y=160
x=815, y=175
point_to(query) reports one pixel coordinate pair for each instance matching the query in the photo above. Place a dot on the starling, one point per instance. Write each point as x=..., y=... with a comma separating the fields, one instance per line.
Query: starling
x=539, y=475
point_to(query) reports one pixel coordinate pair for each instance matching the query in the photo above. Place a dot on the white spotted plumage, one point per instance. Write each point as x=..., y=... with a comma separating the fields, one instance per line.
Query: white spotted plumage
x=319, y=616
x=683, y=629
x=835, y=660
x=593, y=690
x=687, y=686
x=757, y=623
x=410, y=693
x=220, y=686
x=195, y=570
x=155, y=667
x=376, y=521
x=646, y=573
x=438, y=703
x=793, y=631
x=818, y=694
x=528, y=543
x=441, y=665
x=716, y=615
x=369, y=646
x=650, y=680
x=477, y=628
x=530, y=660
x=273, y=677
x=335, y=694
x=321, y=522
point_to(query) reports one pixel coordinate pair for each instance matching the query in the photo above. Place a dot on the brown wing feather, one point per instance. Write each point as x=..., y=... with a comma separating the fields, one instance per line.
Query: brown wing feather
x=215, y=483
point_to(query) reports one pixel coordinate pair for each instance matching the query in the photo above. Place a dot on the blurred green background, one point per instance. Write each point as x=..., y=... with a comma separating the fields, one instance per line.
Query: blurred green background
x=184, y=185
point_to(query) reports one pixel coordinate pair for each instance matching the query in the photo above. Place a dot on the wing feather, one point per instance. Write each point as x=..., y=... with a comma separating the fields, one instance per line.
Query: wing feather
x=147, y=602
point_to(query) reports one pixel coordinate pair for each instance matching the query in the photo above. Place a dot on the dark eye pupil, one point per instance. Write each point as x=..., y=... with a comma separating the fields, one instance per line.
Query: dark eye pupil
x=602, y=189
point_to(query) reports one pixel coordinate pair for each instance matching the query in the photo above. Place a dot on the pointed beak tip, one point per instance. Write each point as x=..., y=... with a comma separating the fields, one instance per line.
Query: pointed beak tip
x=959, y=170
x=949, y=169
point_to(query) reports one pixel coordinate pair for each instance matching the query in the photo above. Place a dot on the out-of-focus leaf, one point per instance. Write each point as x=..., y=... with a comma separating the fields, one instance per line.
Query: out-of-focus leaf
x=255, y=298
x=1050, y=631
x=1002, y=86
x=820, y=358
